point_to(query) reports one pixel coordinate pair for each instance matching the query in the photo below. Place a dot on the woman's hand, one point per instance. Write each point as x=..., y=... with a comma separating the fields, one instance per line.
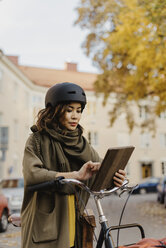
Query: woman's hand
x=119, y=178
x=88, y=170
x=15, y=219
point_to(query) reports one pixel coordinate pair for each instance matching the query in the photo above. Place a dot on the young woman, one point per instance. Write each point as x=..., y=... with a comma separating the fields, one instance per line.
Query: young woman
x=56, y=147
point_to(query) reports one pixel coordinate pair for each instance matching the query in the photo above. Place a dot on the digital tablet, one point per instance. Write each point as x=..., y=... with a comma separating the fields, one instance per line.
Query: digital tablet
x=116, y=158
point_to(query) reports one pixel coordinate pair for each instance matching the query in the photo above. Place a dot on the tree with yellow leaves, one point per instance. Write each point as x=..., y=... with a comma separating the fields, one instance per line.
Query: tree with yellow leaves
x=127, y=41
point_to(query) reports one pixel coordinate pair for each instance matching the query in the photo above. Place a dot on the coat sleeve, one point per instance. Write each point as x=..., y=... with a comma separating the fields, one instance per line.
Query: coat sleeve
x=33, y=169
x=95, y=155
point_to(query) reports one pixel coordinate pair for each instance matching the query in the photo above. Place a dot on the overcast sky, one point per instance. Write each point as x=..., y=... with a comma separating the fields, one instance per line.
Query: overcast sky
x=41, y=33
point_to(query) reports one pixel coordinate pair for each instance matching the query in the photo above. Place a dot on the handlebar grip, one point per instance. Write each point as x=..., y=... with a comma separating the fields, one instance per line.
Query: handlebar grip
x=52, y=184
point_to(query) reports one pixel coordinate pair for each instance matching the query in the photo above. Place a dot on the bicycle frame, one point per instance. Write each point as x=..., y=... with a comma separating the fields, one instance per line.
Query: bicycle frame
x=104, y=227
x=105, y=236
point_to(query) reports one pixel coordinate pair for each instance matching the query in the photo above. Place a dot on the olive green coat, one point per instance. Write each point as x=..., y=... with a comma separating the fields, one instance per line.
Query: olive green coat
x=44, y=215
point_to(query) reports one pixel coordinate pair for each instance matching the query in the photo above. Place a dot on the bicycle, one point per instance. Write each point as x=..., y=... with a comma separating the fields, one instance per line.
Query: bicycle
x=105, y=232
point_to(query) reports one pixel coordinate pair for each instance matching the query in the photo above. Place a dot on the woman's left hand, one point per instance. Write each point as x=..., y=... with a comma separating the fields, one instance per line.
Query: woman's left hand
x=119, y=178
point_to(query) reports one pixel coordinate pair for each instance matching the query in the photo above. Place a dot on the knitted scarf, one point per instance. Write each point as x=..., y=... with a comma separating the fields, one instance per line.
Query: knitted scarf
x=71, y=151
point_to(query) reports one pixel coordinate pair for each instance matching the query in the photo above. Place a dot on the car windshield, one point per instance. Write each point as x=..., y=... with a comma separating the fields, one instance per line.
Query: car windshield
x=154, y=180
x=150, y=180
x=13, y=183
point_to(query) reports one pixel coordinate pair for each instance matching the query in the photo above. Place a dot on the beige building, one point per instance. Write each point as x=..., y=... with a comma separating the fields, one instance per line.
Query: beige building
x=22, y=90
x=18, y=97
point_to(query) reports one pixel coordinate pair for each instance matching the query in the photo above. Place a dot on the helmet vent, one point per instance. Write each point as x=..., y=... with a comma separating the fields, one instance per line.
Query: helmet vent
x=71, y=92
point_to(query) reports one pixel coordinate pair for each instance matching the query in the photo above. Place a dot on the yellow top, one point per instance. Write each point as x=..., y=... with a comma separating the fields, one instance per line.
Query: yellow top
x=71, y=208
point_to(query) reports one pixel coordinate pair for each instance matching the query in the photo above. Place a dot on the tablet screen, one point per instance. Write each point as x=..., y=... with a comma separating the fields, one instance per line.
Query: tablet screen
x=116, y=158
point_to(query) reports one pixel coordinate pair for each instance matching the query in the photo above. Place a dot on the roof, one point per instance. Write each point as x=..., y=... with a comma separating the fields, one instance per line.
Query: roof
x=47, y=77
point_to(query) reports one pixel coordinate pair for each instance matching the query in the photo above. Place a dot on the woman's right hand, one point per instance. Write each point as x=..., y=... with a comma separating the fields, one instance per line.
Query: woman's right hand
x=88, y=170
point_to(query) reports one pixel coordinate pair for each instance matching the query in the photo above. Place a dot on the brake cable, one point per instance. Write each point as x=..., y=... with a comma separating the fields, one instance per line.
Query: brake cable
x=123, y=209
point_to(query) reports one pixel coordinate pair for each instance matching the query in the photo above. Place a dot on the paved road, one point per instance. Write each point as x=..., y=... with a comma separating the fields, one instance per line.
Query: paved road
x=11, y=238
x=142, y=209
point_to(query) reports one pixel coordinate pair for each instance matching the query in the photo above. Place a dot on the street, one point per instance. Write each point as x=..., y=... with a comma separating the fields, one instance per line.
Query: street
x=11, y=238
x=142, y=209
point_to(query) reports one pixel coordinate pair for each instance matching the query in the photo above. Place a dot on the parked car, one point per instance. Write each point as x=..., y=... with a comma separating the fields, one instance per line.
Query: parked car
x=13, y=189
x=161, y=190
x=148, y=185
x=4, y=213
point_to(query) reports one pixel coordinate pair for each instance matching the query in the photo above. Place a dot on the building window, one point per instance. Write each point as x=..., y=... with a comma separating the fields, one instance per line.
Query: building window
x=93, y=138
x=145, y=140
x=37, y=100
x=4, y=137
x=163, y=140
x=163, y=115
x=143, y=113
x=163, y=167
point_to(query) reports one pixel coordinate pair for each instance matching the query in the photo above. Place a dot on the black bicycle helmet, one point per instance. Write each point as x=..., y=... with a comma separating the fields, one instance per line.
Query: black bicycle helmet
x=65, y=92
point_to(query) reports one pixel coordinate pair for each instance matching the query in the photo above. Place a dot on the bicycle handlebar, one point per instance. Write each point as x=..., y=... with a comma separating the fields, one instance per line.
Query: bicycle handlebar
x=58, y=182
x=101, y=193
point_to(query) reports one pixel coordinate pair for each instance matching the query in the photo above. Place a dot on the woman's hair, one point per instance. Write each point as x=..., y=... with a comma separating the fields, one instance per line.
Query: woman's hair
x=49, y=117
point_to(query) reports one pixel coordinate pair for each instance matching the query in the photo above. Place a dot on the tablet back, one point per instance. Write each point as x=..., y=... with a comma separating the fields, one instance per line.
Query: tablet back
x=116, y=158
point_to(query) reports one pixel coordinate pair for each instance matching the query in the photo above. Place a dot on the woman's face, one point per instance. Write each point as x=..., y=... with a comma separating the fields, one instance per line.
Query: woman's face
x=72, y=116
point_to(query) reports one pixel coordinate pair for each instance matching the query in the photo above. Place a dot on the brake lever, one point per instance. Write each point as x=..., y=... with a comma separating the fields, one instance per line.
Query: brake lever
x=127, y=189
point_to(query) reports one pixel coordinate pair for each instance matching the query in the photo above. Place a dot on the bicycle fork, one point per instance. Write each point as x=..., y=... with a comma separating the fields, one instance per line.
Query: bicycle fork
x=104, y=227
